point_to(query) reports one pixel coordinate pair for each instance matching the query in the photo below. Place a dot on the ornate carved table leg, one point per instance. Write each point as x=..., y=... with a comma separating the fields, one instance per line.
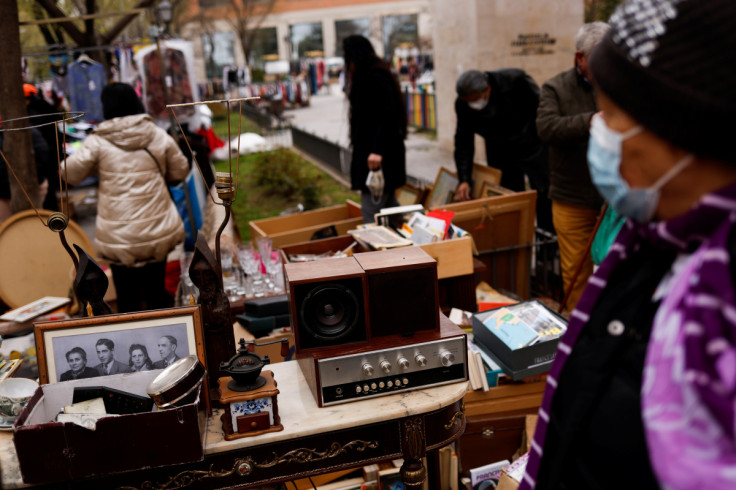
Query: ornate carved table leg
x=413, y=445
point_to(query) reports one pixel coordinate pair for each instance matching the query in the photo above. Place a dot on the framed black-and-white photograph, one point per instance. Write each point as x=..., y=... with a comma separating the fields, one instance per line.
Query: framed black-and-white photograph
x=115, y=344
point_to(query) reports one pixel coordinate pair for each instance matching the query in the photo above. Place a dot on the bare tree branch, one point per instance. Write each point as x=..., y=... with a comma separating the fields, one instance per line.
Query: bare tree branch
x=248, y=16
x=54, y=11
x=111, y=34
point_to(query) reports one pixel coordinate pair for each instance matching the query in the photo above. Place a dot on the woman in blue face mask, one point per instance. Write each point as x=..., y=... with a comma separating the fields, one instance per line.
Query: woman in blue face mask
x=645, y=376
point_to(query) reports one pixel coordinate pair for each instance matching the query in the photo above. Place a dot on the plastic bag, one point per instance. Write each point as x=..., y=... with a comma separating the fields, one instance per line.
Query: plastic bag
x=375, y=184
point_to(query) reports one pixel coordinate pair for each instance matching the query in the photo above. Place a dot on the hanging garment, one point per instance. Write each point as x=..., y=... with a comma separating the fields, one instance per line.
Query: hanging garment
x=86, y=80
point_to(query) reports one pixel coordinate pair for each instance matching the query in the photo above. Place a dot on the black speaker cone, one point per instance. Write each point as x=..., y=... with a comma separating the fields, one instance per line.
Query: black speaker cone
x=330, y=312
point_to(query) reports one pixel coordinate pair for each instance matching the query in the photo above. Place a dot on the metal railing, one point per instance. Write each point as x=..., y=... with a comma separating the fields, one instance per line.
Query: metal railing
x=329, y=153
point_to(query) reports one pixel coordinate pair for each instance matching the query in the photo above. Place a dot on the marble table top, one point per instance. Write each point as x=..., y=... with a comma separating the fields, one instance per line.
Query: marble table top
x=299, y=414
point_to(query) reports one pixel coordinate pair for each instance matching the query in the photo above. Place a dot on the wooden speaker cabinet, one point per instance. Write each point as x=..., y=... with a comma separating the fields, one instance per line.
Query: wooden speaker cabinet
x=327, y=301
x=403, y=295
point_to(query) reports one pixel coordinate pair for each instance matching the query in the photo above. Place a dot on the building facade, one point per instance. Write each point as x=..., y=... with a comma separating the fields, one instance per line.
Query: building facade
x=295, y=30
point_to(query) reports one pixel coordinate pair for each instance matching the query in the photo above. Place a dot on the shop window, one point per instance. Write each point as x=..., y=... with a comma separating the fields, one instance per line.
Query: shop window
x=306, y=40
x=345, y=28
x=219, y=51
x=265, y=46
x=399, y=31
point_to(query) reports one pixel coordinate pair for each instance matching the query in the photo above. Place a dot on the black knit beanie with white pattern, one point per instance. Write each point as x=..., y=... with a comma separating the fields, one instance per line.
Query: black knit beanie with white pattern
x=671, y=64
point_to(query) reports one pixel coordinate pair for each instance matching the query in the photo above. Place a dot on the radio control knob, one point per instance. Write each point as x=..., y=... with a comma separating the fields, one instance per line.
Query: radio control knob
x=403, y=363
x=421, y=360
x=386, y=366
x=389, y=383
x=358, y=389
x=374, y=386
x=447, y=358
x=368, y=369
x=405, y=381
x=366, y=388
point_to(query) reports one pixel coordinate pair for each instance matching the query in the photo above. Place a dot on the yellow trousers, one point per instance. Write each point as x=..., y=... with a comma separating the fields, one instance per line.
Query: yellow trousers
x=574, y=226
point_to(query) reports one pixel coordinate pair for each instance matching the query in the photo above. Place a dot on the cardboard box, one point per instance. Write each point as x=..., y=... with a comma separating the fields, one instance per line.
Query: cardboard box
x=51, y=451
x=517, y=363
x=296, y=228
x=454, y=257
x=502, y=228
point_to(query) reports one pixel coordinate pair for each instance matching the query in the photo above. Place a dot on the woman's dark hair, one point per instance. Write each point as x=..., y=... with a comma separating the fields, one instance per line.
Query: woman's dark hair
x=120, y=99
x=148, y=363
x=360, y=60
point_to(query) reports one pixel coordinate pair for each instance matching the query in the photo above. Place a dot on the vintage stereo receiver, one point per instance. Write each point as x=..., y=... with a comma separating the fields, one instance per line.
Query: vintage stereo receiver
x=369, y=325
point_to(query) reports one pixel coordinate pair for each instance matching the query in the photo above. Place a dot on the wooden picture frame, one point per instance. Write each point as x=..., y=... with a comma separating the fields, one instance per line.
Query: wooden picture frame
x=483, y=174
x=55, y=339
x=492, y=190
x=409, y=194
x=443, y=190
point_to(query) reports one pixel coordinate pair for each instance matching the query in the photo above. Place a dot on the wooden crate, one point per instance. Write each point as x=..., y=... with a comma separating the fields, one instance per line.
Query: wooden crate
x=503, y=230
x=454, y=257
x=296, y=228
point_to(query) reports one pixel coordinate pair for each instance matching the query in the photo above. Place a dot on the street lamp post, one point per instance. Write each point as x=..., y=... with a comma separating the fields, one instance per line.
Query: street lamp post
x=163, y=16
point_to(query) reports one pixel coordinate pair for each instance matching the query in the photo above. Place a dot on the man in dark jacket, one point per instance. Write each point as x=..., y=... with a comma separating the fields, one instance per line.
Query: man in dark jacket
x=566, y=106
x=501, y=107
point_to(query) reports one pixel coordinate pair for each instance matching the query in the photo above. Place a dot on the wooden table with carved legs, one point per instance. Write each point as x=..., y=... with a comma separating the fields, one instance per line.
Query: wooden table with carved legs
x=315, y=440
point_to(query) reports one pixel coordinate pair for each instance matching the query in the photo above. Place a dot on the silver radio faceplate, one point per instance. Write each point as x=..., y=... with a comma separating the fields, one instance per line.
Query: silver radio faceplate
x=386, y=371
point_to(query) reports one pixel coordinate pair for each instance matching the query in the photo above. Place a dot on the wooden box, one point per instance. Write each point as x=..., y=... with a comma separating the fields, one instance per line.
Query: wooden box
x=53, y=451
x=496, y=422
x=454, y=257
x=296, y=228
x=502, y=228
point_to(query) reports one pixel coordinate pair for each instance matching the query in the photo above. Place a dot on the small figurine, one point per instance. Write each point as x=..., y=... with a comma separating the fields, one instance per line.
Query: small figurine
x=90, y=285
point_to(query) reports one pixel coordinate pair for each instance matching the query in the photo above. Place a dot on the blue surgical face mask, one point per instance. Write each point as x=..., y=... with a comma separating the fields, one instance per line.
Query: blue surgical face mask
x=604, y=161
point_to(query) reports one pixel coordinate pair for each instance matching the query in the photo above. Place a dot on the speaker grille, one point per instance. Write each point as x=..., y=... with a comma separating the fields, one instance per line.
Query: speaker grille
x=330, y=313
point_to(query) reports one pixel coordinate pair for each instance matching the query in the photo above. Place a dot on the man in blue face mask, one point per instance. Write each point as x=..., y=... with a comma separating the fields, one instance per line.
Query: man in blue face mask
x=501, y=107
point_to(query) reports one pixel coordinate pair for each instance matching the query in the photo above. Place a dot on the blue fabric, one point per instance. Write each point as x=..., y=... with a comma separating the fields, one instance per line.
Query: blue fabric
x=86, y=81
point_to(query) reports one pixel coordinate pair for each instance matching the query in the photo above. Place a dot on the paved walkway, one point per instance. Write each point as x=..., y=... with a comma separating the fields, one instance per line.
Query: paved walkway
x=327, y=117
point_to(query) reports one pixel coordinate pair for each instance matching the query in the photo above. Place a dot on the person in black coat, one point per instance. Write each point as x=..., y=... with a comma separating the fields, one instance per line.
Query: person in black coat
x=501, y=106
x=377, y=124
x=77, y=359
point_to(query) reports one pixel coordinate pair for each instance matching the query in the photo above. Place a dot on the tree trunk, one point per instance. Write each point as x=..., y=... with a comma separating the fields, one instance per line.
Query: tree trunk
x=17, y=145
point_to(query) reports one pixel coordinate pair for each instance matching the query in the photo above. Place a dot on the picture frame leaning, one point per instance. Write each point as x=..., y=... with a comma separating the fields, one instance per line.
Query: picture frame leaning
x=443, y=190
x=112, y=342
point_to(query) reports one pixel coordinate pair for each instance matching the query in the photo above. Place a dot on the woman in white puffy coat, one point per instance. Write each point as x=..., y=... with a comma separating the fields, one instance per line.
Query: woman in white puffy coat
x=137, y=222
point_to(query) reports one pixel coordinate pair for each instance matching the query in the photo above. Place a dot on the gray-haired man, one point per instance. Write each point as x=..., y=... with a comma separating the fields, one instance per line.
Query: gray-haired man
x=501, y=106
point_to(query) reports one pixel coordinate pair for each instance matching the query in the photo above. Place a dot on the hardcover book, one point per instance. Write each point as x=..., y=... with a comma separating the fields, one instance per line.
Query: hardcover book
x=510, y=328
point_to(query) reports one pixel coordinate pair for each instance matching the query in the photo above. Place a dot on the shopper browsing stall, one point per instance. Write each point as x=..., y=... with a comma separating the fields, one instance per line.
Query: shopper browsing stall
x=137, y=222
x=645, y=377
x=566, y=106
x=501, y=107
x=377, y=126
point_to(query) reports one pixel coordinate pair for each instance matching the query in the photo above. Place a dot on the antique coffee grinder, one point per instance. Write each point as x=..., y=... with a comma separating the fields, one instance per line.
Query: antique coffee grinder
x=248, y=393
